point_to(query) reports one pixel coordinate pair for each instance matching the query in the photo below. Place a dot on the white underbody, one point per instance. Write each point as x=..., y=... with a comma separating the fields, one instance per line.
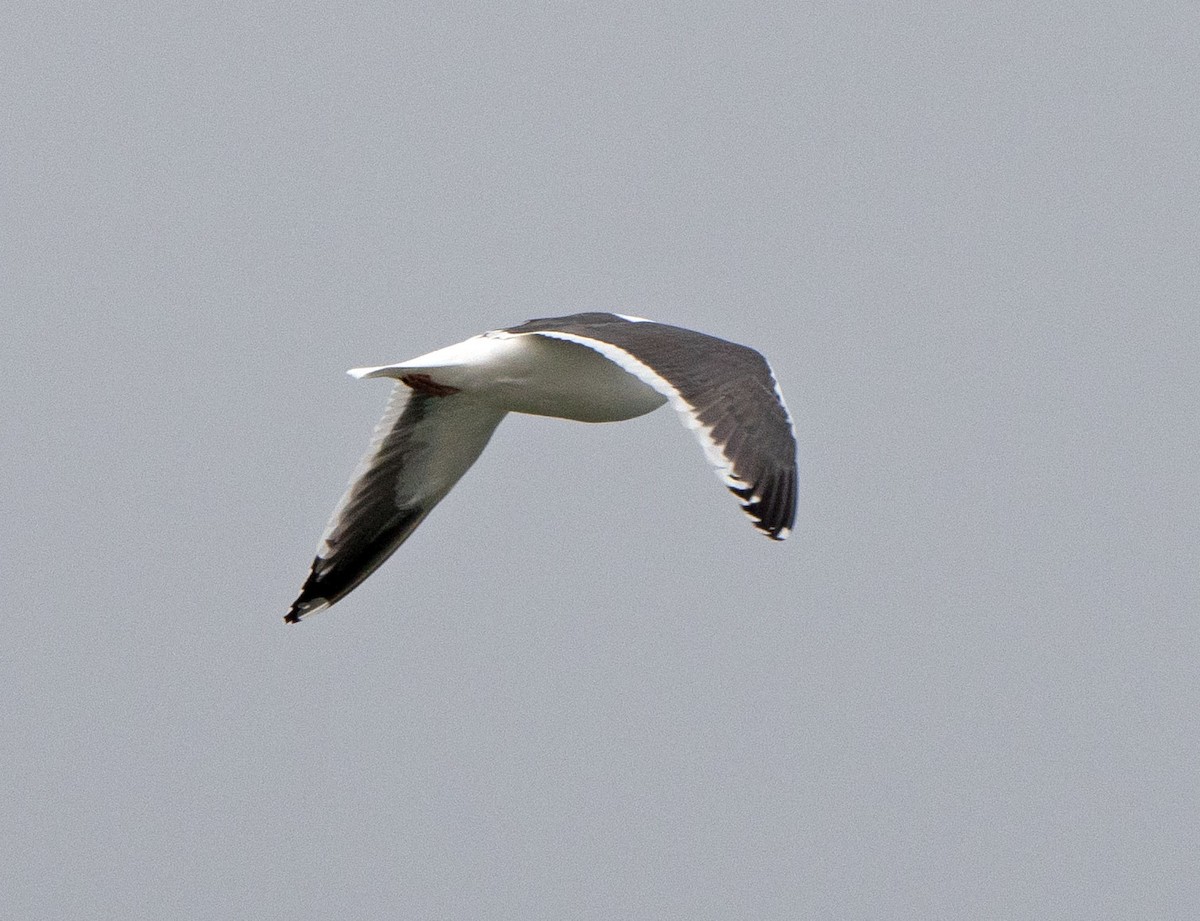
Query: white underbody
x=528, y=373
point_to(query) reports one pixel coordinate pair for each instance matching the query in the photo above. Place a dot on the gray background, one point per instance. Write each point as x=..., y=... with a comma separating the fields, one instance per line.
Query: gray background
x=966, y=237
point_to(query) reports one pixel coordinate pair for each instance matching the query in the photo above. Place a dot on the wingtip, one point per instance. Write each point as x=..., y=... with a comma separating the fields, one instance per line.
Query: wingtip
x=302, y=608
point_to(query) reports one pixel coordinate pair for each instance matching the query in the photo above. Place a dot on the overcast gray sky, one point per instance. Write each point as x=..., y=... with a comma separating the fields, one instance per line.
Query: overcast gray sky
x=966, y=236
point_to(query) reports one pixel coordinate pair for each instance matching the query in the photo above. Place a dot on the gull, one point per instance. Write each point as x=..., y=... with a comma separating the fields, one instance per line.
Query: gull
x=589, y=367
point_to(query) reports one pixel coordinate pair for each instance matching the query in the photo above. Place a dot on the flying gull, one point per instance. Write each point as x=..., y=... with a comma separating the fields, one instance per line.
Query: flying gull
x=591, y=367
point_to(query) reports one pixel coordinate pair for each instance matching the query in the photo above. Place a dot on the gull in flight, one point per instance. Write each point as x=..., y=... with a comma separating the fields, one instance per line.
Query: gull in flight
x=591, y=367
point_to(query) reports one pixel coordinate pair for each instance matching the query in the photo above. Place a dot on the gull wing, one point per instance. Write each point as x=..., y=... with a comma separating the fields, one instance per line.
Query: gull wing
x=421, y=447
x=725, y=392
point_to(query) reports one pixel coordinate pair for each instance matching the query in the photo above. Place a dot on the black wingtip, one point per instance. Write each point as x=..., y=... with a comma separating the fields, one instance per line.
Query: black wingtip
x=310, y=601
x=774, y=510
x=307, y=603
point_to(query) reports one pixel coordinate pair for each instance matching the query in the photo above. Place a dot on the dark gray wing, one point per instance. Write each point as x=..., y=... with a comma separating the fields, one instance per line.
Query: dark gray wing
x=421, y=448
x=725, y=392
